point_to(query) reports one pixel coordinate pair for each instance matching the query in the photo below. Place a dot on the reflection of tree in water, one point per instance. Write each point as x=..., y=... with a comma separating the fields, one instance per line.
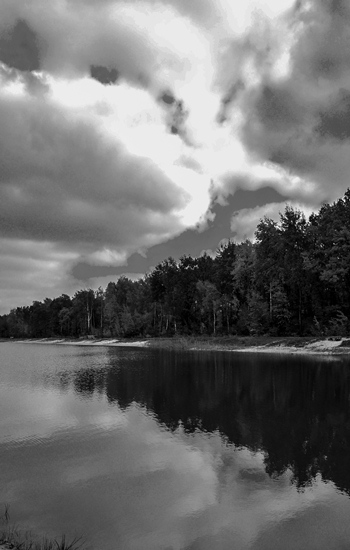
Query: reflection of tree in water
x=88, y=381
x=295, y=410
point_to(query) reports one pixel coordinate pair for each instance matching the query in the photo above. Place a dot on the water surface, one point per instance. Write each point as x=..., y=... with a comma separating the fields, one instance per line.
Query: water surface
x=142, y=449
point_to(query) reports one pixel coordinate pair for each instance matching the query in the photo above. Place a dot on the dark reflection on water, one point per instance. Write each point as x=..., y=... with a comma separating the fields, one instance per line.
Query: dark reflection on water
x=294, y=409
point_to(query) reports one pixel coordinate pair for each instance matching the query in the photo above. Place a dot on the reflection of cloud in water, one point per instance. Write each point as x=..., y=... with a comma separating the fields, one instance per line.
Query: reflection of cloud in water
x=250, y=504
x=163, y=489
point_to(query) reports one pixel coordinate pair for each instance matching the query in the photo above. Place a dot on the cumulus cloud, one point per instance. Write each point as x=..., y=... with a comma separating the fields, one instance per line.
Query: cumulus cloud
x=122, y=121
x=300, y=122
x=63, y=179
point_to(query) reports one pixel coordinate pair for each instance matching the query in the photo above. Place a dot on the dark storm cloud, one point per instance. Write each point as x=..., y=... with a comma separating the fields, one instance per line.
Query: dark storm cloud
x=335, y=120
x=277, y=108
x=322, y=50
x=167, y=98
x=280, y=126
x=19, y=47
x=293, y=121
x=176, y=114
x=104, y=75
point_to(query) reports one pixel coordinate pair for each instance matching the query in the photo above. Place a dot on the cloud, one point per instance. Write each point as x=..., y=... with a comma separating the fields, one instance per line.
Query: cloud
x=19, y=48
x=65, y=180
x=300, y=122
x=122, y=121
x=62, y=181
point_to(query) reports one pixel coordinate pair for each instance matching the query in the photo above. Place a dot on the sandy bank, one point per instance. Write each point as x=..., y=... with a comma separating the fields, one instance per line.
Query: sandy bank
x=260, y=344
x=264, y=344
x=321, y=347
x=88, y=342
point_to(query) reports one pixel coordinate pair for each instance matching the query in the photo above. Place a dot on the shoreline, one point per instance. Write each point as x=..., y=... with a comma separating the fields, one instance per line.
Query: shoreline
x=247, y=344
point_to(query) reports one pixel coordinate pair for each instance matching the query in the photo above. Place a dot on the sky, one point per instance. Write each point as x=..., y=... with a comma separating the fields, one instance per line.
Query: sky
x=135, y=130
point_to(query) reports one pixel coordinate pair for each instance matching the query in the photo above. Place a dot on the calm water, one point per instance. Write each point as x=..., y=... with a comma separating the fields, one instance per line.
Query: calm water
x=146, y=450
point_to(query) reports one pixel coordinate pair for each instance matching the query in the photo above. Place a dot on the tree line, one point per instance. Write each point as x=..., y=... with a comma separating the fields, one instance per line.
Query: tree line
x=294, y=279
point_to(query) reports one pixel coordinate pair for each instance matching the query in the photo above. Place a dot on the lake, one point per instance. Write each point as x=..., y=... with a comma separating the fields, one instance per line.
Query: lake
x=140, y=449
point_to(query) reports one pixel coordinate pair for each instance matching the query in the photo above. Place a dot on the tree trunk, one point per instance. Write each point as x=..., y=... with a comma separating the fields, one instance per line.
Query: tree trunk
x=88, y=319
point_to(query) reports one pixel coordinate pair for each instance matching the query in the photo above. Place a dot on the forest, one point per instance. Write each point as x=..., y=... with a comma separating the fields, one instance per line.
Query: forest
x=294, y=279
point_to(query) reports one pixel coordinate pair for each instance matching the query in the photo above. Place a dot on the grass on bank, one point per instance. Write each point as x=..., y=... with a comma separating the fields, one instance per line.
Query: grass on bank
x=11, y=537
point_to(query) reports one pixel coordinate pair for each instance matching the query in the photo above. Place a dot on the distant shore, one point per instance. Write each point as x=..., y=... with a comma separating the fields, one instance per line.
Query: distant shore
x=253, y=344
